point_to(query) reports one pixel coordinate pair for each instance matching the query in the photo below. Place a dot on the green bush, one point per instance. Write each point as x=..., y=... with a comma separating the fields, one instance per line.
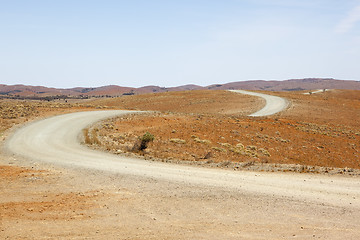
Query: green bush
x=143, y=141
x=147, y=137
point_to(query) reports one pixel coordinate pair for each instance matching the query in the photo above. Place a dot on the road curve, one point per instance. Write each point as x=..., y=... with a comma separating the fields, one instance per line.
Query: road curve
x=56, y=140
x=273, y=105
x=316, y=91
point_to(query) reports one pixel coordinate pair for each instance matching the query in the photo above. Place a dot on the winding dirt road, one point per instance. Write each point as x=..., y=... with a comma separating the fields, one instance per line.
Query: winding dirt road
x=56, y=140
x=273, y=104
x=169, y=201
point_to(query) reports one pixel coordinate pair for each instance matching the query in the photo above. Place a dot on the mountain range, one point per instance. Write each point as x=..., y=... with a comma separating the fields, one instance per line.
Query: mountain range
x=114, y=90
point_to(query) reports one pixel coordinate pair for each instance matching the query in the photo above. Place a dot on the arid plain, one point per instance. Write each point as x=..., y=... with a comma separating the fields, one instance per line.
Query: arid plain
x=316, y=130
x=319, y=134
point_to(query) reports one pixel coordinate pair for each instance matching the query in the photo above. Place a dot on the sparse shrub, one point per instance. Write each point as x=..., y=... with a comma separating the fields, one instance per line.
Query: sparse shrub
x=91, y=136
x=145, y=139
x=86, y=136
x=143, y=142
x=219, y=149
x=228, y=145
x=252, y=148
x=177, y=140
x=237, y=151
x=94, y=136
x=240, y=146
x=251, y=153
x=264, y=152
x=198, y=140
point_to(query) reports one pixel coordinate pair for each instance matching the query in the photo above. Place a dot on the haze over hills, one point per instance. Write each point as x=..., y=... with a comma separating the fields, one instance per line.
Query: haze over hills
x=114, y=90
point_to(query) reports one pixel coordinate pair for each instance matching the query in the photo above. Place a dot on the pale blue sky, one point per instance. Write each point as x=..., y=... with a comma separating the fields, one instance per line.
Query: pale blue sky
x=167, y=43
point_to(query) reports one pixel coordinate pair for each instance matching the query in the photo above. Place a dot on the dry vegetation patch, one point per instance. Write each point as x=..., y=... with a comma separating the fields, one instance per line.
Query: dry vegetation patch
x=215, y=138
x=317, y=130
x=202, y=101
x=13, y=112
x=39, y=204
x=334, y=107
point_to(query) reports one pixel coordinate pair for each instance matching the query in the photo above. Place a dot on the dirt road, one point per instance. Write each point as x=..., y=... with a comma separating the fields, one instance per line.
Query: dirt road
x=94, y=195
x=273, y=105
x=56, y=140
x=316, y=91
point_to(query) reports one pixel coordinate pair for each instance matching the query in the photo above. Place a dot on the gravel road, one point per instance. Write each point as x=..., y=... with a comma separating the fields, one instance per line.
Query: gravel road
x=316, y=91
x=56, y=140
x=273, y=105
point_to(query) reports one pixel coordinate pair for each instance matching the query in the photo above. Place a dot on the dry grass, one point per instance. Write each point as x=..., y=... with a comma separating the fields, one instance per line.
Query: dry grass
x=13, y=112
x=320, y=129
x=91, y=136
x=335, y=107
x=321, y=138
x=203, y=101
x=236, y=139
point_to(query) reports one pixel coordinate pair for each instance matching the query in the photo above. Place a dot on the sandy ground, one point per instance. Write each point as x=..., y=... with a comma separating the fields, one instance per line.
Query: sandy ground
x=62, y=204
x=76, y=204
x=46, y=201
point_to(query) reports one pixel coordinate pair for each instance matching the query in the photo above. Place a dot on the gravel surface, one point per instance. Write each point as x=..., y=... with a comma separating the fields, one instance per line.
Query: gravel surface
x=273, y=105
x=56, y=140
x=87, y=194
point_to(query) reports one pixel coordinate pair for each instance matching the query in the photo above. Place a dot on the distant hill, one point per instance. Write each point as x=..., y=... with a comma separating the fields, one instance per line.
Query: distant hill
x=113, y=90
x=291, y=85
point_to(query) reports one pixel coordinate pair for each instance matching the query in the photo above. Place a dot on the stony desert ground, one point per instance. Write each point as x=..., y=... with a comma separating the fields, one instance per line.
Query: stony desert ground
x=318, y=134
x=319, y=130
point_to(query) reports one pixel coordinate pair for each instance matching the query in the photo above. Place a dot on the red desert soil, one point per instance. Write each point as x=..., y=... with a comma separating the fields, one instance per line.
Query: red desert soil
x=14, y=112
x=42, y=202
x=39, y=202
x=201, y=101
x=317, y=130
x=334, y=107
